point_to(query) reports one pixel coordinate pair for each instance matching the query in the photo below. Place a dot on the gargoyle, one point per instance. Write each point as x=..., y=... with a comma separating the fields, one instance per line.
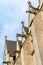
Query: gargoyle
x=32, y=9
x=31, y=6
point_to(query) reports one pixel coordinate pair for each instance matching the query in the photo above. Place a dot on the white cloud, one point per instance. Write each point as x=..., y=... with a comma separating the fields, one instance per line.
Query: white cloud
x=4, y=2
x=9, y=2
x=9, y=29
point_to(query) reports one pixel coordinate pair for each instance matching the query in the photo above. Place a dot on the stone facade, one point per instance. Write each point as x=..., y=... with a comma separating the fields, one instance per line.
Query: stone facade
x=29, y=51
x=38, y=23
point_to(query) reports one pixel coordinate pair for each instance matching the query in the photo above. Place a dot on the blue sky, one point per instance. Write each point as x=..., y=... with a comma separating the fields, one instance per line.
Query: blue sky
x=12, y=12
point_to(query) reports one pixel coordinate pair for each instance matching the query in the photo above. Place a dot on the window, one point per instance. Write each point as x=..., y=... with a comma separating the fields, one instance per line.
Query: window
x=14, y=58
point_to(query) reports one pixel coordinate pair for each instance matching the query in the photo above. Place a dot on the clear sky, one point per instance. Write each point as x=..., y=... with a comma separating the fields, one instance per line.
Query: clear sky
x=12, y=12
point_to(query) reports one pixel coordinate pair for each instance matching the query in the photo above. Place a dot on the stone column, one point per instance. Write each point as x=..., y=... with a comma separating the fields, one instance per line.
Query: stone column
x=18, y=55
x=40, y=3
